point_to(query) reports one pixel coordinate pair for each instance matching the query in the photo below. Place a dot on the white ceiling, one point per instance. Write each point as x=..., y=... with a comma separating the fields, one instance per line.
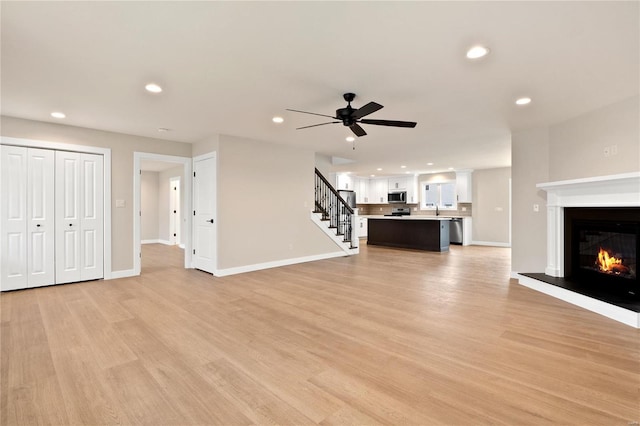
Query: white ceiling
x=228, y=67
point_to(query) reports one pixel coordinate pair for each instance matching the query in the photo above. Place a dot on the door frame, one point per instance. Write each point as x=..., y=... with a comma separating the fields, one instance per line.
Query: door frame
x=186, y=163
x=106, y=154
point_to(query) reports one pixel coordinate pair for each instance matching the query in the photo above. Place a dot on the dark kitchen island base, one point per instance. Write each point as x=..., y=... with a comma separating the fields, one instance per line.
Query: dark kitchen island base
x=419, y=234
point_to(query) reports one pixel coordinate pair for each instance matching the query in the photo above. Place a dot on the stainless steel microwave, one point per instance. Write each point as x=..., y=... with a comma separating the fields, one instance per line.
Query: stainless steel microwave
x=397, y=197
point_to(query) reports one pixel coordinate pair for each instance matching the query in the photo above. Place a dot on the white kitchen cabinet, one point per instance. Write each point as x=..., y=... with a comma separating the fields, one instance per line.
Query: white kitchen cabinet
x=361, y=232
x=397, y=183
x=344, y=181
x=361, y=186
x=378, y=190
x=464, y=187
x=412, y=190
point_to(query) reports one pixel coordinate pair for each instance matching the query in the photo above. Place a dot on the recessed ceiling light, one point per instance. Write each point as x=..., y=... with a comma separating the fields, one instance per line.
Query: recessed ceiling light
x=57, y=114
x=163, y=129
x=407, y=173
x=277, y=120
x=379, y=169
x=350, y=139
x=477, y=52
x=373, y=175
x=450, y=168
x=429, y=164
x=153, y=88
x=523, y=101
x=403, y=167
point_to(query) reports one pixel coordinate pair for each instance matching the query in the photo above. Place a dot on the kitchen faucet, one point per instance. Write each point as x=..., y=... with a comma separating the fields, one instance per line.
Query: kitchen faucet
x=437, y=211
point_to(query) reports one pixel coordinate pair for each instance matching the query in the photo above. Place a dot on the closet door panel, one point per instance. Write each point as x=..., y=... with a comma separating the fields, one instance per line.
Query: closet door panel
x=13, y=218
x=67, y=236
x=40, y=219
x=91, y=216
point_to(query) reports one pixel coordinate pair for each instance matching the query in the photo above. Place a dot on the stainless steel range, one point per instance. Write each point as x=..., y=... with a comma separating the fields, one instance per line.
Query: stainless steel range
x=400, y=211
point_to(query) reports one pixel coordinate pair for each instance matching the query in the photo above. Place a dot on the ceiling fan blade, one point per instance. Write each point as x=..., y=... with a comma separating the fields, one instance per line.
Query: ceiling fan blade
x=359, y=131
x=316, y=125
x=369, y=108
x=393, y=123
x=312, y=113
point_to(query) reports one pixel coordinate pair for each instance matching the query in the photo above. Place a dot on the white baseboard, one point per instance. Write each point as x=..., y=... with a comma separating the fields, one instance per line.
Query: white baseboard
x=275, y=264
x=122, y=274
x=515, y=275
x=165, y=242
x=616, y=313
x=181, y=246
x=490, y=243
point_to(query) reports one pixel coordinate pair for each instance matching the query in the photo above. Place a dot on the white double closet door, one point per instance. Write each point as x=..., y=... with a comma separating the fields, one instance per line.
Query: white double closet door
x=51, y=217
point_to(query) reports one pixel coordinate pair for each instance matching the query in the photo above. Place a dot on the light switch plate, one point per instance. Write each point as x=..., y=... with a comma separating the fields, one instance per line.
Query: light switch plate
x=120, y=204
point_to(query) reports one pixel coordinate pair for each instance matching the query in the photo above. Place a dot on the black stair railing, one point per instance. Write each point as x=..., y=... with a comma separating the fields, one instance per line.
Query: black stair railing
x=334, y=208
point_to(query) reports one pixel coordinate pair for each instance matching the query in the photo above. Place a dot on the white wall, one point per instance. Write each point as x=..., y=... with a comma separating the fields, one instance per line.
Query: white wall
x=149, y=229
x=568, y=150
x=491, y=205
x=265, y=196
x=576, y=146
x=122, y=148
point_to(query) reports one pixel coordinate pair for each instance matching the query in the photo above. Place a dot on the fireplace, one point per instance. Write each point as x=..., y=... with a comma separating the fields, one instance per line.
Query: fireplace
x=596, y=211
x=601, y=250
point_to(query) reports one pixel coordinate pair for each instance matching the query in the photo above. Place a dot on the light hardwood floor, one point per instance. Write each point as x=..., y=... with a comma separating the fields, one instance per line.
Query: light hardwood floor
x=385, y=337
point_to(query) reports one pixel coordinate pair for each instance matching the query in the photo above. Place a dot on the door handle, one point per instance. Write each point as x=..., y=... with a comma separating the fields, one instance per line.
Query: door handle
x=38, y=225
x=71, y=224
x=210, y=221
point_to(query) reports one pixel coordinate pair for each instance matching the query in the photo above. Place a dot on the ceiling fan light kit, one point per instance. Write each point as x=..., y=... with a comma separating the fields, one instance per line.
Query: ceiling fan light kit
x=350, y=117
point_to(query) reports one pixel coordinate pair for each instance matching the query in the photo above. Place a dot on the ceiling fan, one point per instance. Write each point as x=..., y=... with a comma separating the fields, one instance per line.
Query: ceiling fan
x=350, y=117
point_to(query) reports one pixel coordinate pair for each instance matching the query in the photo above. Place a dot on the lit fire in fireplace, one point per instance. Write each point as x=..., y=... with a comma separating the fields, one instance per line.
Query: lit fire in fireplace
x=610, y=264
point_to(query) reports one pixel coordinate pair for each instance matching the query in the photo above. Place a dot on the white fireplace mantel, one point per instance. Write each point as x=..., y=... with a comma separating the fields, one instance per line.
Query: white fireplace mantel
x=621, y=190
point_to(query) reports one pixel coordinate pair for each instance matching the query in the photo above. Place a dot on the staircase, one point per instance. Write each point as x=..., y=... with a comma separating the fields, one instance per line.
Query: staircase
x=334, y=216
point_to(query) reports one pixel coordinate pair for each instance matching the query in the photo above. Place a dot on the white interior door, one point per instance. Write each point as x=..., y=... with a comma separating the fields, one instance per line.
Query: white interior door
x=92, y=217
x=204, y=206
x=40, y=217
x=13, y=235
x=67, y=195
x=79, y=217
x=174, y=211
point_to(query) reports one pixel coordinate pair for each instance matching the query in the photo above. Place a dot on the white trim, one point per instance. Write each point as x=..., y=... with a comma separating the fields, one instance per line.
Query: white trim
x=514, y=275
x=187, y=171
x=275, y=264
x=489, y=243
x=622, y=315
x=181, y=246
x=157, y=241
x=106, y=154
x=123, y=274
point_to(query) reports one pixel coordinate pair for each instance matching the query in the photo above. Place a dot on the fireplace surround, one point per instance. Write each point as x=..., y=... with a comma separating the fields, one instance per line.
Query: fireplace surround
x=618, y=193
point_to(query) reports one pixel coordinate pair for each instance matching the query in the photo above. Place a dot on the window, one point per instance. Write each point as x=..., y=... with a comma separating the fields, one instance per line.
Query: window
x=442, y=195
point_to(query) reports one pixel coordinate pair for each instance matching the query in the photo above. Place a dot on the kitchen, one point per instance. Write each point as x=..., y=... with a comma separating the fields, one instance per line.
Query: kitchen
x=474, y=203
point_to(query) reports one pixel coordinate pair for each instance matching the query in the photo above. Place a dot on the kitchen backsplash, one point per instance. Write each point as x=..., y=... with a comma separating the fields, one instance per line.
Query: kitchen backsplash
x=382, y=209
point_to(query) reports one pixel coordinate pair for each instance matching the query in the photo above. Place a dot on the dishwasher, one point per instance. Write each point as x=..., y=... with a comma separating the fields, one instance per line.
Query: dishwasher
x=455, y=231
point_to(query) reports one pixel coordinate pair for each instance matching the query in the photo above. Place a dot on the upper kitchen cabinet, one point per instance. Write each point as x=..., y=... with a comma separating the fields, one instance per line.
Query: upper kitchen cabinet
x=361, y=186
x=398, y=183
x=463, y=186
x=344, y=181
x=378, y=191
x=412, y=190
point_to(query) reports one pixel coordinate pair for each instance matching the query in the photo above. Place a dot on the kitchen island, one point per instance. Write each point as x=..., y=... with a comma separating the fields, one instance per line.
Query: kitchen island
x=420, y=233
